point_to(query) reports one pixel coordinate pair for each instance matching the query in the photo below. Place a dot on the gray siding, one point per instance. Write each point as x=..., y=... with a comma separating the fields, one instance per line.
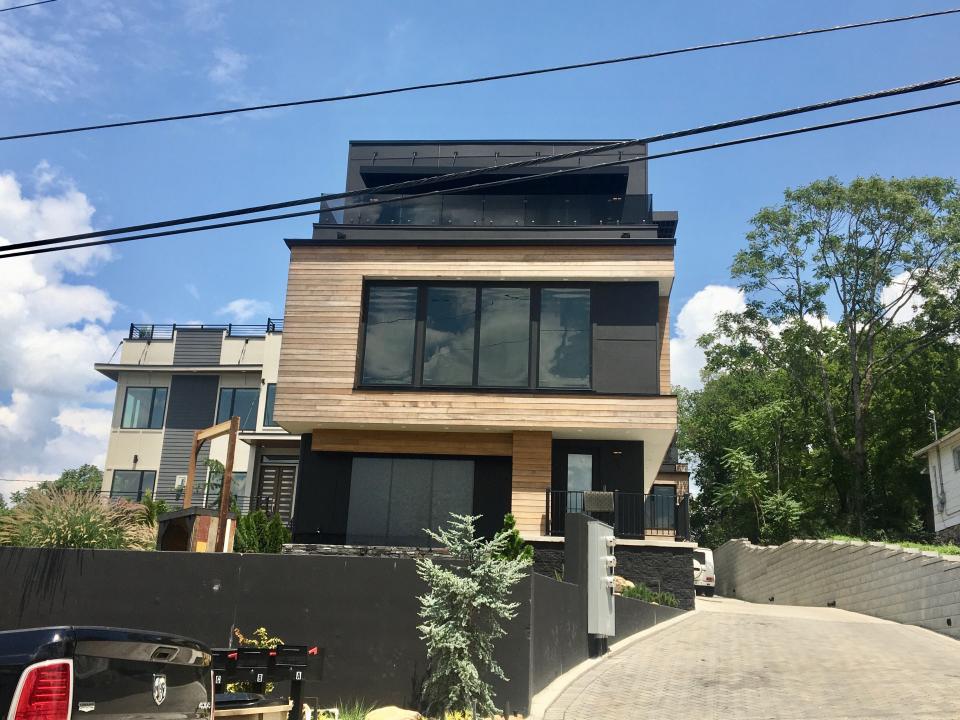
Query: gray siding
x=191, y=406
x=197, y=347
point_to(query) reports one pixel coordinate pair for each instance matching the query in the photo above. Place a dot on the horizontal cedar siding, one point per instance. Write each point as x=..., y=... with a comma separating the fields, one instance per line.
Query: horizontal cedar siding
x=321, y=324
x=531, y=480
x=412, y=443
x=664, y=339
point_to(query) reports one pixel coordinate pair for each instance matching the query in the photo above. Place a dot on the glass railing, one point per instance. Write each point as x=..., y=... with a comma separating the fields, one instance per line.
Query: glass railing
x=500, y=210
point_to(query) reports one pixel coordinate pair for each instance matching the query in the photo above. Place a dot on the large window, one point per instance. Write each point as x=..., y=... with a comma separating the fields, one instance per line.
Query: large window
x=132, y=484
x=143, y=408
x=241, y=402
x=391, y=320
x=268, y=420
x=565, y=338
x=488, y=335
x=392, y=499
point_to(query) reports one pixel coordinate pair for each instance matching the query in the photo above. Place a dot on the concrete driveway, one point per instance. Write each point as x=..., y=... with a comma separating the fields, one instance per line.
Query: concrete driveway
x=735, y=660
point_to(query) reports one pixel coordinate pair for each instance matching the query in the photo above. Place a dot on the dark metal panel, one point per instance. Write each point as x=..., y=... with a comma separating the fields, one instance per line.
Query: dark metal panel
x=197, y=347
x=626, y=366
x=492, y=485
x=191, y=405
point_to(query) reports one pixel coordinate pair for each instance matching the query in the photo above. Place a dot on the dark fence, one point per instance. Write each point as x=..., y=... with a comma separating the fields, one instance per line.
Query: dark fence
x=140, y=331
x=632, y=514
x=360, y=611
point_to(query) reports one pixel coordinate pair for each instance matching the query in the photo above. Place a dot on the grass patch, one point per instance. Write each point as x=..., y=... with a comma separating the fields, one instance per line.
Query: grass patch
x=642, y=592
x=948, y=549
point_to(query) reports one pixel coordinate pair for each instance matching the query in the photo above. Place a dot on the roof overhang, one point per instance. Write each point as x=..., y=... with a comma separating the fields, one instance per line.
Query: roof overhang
x=935, y=443
x=113, y=370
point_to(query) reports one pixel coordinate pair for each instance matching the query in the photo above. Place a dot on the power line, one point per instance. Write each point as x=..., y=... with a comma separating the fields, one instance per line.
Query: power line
x=505, y=181
x=405, y=185
x=480, y=79
x=17, y=7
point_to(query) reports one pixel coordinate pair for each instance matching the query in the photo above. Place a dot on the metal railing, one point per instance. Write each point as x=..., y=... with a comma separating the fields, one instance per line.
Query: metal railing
x=632, y=514
x=201, y=499
x=500, y=210
x=150, y=331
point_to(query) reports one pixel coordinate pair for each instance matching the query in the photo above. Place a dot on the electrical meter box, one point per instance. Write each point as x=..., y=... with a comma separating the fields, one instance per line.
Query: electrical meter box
x=601, y=567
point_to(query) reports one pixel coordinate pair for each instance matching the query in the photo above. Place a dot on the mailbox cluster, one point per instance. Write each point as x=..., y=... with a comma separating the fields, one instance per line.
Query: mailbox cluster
x=258, y=666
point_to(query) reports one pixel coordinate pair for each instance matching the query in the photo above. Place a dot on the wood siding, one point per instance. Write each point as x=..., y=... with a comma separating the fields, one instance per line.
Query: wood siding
x=663, y=321
x=532, y=466
x=319, y=352
x=412, y=443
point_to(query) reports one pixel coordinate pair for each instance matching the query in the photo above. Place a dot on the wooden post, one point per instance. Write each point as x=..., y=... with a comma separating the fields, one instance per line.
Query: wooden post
x=225, y=485
x=191, y=470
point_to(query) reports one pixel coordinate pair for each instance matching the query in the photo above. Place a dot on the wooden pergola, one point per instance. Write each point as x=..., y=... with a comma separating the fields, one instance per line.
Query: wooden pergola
x=228, y=427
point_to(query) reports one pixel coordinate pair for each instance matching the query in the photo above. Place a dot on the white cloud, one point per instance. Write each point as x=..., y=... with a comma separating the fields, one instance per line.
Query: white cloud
x=696, y=318
x=244, y=309
x=898, y=285
x=203, y=15
x=53, y=330
x=192, y=291
x=228, y=66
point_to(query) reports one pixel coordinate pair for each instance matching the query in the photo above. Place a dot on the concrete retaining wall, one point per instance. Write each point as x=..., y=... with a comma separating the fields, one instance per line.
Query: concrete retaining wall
x=886, y=581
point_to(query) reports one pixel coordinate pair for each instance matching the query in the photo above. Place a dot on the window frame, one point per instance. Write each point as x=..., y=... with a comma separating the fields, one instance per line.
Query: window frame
x=141, y=489
x=153, y=400
x=533, y=362
x=266, y=406
x=956, y=458
x=233, y=401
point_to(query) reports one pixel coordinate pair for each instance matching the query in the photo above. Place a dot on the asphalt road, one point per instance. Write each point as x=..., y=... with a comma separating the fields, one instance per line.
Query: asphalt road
x=733, y=660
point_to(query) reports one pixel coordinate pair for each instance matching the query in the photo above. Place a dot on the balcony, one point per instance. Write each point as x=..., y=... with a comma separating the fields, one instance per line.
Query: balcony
x=139, y=331
x=633, y=515
x=499, y=210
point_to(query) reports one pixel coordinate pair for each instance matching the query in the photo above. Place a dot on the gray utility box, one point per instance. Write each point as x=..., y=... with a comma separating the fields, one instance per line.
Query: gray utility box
x=590, y=563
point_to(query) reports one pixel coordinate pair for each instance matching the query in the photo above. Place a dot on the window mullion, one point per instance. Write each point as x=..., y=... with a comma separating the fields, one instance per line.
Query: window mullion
x=476, y=337
x=420, y=330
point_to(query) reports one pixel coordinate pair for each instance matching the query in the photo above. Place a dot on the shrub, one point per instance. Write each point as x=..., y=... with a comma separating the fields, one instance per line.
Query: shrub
x=515, y=547
x=153, y=509
x=75, y=519
x=462, y=611
x=256, y=533
x=642, y=592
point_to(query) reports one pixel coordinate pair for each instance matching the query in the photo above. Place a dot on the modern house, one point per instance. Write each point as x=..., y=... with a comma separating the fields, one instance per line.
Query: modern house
x=943, y=467
x=492, y=351
x=175, y=379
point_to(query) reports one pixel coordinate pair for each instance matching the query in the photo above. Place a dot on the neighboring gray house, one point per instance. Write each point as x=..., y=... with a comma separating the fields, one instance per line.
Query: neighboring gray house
x=175, y=379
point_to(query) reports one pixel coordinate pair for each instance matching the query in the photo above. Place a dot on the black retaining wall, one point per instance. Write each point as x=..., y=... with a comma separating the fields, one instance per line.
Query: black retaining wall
x=361, y=611
x=659, y=567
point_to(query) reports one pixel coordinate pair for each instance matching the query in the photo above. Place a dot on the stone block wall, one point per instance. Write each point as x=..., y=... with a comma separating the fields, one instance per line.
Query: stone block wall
x=659, y=567
x=885, y=581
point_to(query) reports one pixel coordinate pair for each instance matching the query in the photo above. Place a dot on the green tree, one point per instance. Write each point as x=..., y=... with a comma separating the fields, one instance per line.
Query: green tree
x=257, y=533
x=515, y=546
x=874, y=253
x=462, y=612
x=84, y=479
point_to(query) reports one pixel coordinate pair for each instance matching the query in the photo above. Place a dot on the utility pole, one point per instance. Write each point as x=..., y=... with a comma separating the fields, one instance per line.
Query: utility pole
x=942, y=492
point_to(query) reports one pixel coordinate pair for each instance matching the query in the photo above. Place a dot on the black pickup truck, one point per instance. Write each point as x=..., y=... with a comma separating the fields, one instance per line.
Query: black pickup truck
x=59, y=673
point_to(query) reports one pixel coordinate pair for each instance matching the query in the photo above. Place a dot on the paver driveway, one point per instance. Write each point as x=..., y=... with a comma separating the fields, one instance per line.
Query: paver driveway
x=735, y=660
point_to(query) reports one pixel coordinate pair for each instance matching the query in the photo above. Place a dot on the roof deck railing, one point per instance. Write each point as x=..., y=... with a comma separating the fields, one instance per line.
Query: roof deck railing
x=152, y=331
x=498, y=210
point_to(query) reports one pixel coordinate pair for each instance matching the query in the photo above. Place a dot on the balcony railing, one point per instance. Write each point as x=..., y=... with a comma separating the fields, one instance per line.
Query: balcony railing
x=632, y=514
x=139, y=331
x=201, y=499
x=500, y=210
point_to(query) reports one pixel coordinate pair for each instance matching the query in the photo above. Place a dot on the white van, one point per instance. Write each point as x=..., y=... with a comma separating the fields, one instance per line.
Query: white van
x=704, y=579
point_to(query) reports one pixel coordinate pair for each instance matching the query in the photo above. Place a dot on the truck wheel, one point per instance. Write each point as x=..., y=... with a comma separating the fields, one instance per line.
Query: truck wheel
x=708, y=591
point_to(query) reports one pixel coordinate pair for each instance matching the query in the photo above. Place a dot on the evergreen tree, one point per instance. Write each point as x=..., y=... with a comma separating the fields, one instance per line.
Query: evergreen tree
x=462, y=612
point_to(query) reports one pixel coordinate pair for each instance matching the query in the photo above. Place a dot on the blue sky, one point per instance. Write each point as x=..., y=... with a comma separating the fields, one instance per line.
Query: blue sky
x=84, y=61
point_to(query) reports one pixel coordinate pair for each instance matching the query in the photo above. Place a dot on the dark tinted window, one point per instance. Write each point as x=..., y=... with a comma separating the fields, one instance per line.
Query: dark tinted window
x=565, y=337
x=448, y=343
x=391, y=321
x=504, y=337
x=241, y=402
x=268, y=407
x=132, y=484
x=143, y=408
